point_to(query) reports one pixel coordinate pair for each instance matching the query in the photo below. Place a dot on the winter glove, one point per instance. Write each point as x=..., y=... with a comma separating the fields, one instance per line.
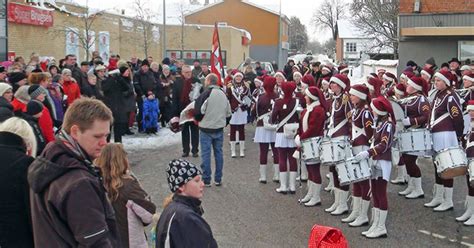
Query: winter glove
x=297, y=141
x=406, y=121
x=361, y=156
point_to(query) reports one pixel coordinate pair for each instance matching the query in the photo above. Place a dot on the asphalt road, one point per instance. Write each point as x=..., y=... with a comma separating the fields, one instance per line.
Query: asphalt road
x=245, y=213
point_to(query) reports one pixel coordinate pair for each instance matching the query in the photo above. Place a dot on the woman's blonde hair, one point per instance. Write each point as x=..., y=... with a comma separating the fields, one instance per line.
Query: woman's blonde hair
x=113, y=164
x=21, y=128
x=38, y=77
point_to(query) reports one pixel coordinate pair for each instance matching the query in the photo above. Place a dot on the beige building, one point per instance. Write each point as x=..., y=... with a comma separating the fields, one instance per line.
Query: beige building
x=125, y=36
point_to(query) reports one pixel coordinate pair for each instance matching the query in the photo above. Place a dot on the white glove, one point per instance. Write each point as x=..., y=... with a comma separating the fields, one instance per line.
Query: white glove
x=361, y=156
x=406, y=121
x=297, y=141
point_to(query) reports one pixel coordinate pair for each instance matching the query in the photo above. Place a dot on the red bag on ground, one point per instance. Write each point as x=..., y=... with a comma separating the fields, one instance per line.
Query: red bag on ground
x=326, y=237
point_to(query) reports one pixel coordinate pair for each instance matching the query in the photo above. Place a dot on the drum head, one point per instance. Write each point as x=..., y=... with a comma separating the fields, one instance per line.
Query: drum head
x=453, y=172
x=399, y=115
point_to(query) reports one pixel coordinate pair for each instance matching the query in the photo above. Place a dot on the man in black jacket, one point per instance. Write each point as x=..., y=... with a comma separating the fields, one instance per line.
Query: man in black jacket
x=144, y=82
x=69, y=205
x=182, y=97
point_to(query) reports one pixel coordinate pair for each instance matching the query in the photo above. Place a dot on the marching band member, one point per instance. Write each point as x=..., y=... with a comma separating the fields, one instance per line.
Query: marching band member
x=265, y=137
x=400, y=91
x=339, y=128
x=446, y=125
x=326, y=72
x=374, y=85
x=380, y=73
x=418, y=113
x=280, y=78
x=309, y=80
x=284, y=113
x=325, y=87
x=468, y=216
x=362, y=131
x=259, y=90
x=389, y=82
x=237, y=93
x=406, y=74
x=343, y=69
x=427, y=74
x=312, y=122
x=381, y=154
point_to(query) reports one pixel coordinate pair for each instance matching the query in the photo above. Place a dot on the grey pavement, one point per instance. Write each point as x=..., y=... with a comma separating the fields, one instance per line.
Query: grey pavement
x=244, y=213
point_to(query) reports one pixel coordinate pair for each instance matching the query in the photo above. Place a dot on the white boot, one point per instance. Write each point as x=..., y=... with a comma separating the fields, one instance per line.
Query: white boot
x=409, y=189
x=242, y=149
x=402, y=174
x=293, y=175
x=336, y=201
x=417, y=189
x=469, y=209
x=342, y=207
x=362, y=219
x=283, y=183
x=447, y=203
x=276, y=173
x=331, y=183
x=263, y=173
x=375, y=219
x=470, y=222
x=304, y=173
x=438, y=191
x=308, y=195
x=315, y=199
x=380, y=231
x=355, y=210
x=232, y=149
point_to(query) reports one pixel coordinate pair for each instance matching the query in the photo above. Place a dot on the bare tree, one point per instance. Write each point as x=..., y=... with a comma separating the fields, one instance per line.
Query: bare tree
x=144, y=17
x=298, y=36
x=327, y=14
x=378, y=20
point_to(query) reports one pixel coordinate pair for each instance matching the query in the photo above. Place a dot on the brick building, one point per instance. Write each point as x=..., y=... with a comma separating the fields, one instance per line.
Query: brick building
x=262, y=23
x=436, y=28
x=125, y=37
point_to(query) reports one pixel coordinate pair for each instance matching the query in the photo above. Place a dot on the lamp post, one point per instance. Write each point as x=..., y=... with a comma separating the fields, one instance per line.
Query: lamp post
x=164, y=30
x=279, y=38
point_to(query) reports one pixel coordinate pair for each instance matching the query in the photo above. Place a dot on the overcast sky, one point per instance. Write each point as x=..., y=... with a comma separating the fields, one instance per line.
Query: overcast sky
x=301, y=8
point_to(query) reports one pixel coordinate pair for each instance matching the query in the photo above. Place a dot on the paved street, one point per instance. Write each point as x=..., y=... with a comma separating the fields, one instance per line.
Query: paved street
x=244, y=213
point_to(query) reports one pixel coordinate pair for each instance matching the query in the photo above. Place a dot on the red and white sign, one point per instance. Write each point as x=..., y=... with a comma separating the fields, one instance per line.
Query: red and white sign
x=11, y=56
x=23, y=14
x=217, y=67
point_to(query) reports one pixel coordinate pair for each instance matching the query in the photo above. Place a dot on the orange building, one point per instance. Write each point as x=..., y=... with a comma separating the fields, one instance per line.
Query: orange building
x=263, y=25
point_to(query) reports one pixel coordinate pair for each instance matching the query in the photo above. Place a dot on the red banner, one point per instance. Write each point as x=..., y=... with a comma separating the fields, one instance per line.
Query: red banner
x=23, y=14
x=217, y=66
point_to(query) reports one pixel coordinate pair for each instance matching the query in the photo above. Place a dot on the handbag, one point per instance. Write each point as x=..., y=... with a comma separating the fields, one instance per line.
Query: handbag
x=326, y=237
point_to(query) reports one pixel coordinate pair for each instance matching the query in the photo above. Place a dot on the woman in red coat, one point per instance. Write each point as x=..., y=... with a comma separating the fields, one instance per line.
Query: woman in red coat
x=45, y=122
x=284, y=112
x=312, y=125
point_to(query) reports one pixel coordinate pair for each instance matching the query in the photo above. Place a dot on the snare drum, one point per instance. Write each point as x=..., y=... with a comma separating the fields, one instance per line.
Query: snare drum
x=333, y=150
x=350, y=171
x=414, y=140
x=451, y=162
x=471, y=172
x=310, y=148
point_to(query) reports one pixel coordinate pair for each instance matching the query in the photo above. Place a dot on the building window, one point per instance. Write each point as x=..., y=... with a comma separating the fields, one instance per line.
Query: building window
x=351, y=47
x=466, y=50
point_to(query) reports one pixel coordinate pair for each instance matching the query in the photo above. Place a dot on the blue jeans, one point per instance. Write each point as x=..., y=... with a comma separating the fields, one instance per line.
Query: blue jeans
x=215, y=140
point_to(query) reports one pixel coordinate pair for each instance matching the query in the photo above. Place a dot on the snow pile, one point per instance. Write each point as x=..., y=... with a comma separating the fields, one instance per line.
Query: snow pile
x=164, y=137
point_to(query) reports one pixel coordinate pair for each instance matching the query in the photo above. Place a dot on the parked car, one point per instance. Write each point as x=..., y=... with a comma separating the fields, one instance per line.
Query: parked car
x=267, y=66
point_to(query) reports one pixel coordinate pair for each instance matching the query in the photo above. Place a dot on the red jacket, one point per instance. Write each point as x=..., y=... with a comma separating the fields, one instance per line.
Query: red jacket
x=281, y=110
x=362, y=120
x=382, y=143
x=418, y=110
x=264, y=105
x=46, y=125
x=72, y=91
x=341, y=110
x=312, y=122
x=18, y=106
x=447, y=102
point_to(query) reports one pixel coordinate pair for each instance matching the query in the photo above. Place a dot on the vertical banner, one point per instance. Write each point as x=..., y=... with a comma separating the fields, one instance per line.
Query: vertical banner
x=90, y=41
x=72, y=41
x=217, y=66
x=104, y=46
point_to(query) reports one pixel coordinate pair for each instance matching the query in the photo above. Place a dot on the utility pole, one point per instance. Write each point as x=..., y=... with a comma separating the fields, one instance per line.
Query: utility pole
x=4, y=30
x=279, y=38
x=164, y=30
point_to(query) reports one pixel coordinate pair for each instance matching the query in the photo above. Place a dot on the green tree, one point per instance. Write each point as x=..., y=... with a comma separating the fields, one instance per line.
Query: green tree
x=298, y=35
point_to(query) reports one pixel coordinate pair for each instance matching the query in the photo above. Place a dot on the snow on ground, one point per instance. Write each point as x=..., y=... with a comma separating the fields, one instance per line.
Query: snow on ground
x=164, y=137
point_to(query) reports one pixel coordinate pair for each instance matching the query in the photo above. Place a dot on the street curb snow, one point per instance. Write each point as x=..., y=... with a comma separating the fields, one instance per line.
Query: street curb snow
x=164, y=137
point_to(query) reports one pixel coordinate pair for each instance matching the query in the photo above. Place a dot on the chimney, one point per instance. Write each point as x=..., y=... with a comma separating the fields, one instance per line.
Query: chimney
x=123, y=11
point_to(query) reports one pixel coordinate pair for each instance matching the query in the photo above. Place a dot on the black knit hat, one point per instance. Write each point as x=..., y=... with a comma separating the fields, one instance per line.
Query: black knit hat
x=35, y=90
x=34, y=107
x=145, y=62
x=179, y=172
x=16, y=77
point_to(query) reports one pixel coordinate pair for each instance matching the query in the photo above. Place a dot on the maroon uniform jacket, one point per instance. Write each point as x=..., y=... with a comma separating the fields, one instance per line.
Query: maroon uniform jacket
x=281, y=110
x=264, y=105
x=470, y=149
x=469, y=96
x=389, y=91
x=362, y=130
x=382, y=144
x=312, y=121
x=447, y=102
x=418, y=110
x=340, y=111
x=299, y=93
x=240, y=92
